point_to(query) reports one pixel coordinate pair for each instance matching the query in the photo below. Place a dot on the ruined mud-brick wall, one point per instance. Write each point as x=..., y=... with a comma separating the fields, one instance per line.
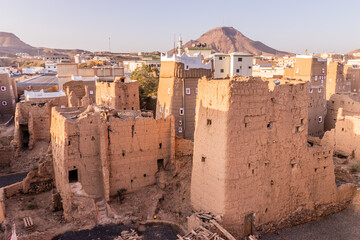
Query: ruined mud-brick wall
x=251, y=161
x=314, y=71
x=177, y=95
x=336, y=82
x=345, y=137
x=350, y=104
x=77, y=90
x=109, y=152
x=118, y=95
x=76, y=147
x=32, y=124
x=352, y=75
x=6, y=151
x=137, y=148
x=7, y=95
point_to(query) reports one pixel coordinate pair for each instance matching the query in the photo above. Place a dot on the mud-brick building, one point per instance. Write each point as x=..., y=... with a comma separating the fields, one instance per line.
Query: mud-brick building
x=252, y=162
x=99, y=151
x=336, y=81
x=119, y=94
x=313, y=70
x=7, y=96
x=179, y=75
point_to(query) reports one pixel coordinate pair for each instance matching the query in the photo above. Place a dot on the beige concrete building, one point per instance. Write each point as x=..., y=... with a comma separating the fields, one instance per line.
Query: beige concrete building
x=98, y=152
x=72, y=71
x=252, y=162
x=313, y=70
x=177, y=90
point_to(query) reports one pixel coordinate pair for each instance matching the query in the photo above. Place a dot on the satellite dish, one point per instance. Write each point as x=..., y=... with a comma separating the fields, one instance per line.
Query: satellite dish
x=204, y=44
x=194, y=45
x=199, y=45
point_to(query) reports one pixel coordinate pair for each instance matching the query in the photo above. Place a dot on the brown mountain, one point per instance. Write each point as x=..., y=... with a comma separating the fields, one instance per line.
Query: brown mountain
x=11, y=44
x=228, y=39
x=352, y=52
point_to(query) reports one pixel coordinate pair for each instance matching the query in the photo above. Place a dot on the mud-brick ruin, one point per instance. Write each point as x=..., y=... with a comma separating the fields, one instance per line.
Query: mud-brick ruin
x=252, y=162
x=118, y=94
x=98, y=152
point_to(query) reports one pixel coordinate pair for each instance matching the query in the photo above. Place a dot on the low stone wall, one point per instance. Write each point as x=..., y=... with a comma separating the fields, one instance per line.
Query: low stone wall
x=2, y=205
x=345, y=194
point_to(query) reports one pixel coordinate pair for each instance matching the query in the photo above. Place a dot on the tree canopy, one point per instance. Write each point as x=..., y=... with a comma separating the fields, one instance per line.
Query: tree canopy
x=148, y=79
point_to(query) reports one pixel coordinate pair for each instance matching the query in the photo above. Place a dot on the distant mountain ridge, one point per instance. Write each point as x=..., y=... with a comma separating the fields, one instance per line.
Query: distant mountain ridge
x=11, y=44
x=228, y=39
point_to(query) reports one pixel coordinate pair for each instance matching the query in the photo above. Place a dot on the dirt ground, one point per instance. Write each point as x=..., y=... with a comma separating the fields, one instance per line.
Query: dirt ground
x=38, y=207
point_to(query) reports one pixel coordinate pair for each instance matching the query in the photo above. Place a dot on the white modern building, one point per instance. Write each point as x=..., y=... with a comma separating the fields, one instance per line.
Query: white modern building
x=232, y=63
x=50, y=67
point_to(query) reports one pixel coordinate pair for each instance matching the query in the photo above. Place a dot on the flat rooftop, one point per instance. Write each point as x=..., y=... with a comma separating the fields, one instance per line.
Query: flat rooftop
x=43, y=80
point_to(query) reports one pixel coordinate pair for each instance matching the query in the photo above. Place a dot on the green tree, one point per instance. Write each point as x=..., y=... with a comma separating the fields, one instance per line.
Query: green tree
x=148, y=79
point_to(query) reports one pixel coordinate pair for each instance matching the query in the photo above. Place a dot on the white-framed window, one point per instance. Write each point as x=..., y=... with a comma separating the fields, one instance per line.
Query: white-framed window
x=169, y=90
x=91, y=92
x=166, y=110
x=160, y=109
x=13, y=101
x=310, y=90
x=180, y=123
x=322, y=81
x=180, y=130
x=297, y=70
x=181, y=111
x=3, y=88
x=319, y=90
x=4, y=103
x=195, y=90
x=316, y=77
x=187, y=67
x=323, y=70
x=187, y=91
x=320, y=119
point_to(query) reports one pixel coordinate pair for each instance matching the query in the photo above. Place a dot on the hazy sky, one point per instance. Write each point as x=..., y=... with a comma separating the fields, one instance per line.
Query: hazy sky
x=143, y=25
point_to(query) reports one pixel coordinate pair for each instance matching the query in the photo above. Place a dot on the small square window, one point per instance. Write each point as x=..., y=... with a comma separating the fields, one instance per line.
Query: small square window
x=320, y=119
x=187, y=91
x=203, y=158
x=209, y=122
x=169, y=90
x=239, y=59
x=249, y=67
x=180, y=130
x=181, y=111
x=311, y=90
x=316, y=77
x=237, y=70
x=220, y=58
x=221, y=70
x=91, y=92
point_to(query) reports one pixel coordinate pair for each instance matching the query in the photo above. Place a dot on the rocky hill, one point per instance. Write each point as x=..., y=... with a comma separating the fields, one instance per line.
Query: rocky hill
x=11, y=44
x=228, y=39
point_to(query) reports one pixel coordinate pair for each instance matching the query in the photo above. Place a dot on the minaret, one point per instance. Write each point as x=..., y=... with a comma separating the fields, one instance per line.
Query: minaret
x=179, y=46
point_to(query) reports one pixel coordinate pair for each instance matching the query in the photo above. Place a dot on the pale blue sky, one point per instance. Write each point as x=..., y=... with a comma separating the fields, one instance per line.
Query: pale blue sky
x=143, y=25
